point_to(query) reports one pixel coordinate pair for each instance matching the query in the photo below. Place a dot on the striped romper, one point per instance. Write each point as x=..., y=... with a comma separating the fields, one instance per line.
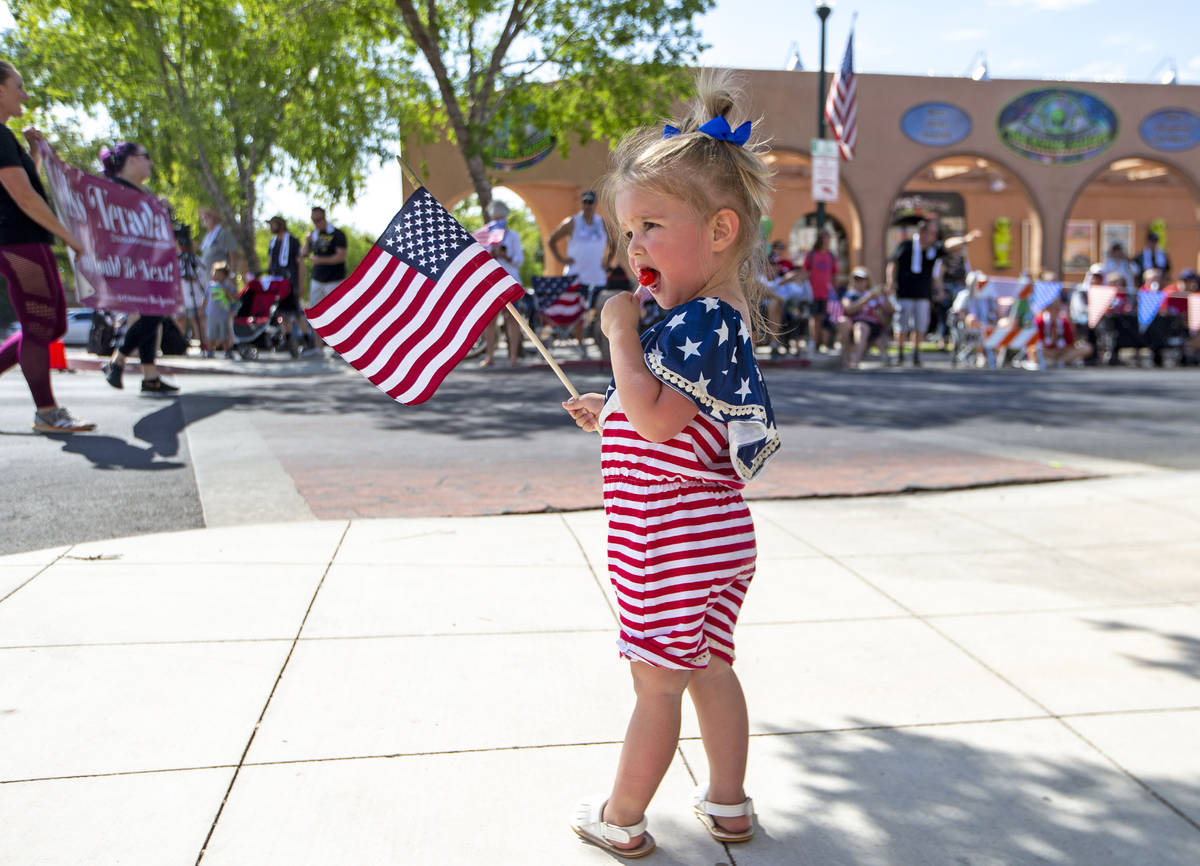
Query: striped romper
x=681, y=547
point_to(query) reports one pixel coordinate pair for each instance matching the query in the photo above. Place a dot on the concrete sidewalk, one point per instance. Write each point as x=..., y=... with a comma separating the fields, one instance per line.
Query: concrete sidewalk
x=999, y=676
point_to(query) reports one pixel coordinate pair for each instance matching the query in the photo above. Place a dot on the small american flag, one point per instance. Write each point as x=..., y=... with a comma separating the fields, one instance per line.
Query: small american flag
x=1100, y=301
x=840, y=104
x=833, y=307
x=1044, y=294
x=559, y=299
x=1148, y=305
x=415, y=305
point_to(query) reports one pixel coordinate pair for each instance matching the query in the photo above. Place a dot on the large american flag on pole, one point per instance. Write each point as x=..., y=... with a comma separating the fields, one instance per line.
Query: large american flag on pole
x=840, y=103
x=415, y=305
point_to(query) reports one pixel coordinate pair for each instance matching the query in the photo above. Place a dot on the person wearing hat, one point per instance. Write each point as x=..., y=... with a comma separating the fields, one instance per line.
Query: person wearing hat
x=284, y=260
x=868, y=313
x=590, y=247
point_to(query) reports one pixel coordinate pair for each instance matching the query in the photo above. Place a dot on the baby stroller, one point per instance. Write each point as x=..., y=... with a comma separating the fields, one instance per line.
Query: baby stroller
x=258, y=324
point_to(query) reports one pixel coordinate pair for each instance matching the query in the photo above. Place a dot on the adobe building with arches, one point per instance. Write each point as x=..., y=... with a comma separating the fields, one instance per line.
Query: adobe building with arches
x=1050, y=172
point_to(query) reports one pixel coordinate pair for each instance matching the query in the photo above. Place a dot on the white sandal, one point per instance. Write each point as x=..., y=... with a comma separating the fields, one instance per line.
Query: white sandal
x=591, y=827
x=708, y=812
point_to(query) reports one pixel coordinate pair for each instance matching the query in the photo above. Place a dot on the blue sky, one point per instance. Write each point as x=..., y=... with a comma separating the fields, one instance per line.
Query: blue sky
x=1081, y=40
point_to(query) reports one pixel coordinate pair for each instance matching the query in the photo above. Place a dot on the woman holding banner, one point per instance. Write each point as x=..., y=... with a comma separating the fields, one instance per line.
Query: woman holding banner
x=27, y=228
x=129, y=164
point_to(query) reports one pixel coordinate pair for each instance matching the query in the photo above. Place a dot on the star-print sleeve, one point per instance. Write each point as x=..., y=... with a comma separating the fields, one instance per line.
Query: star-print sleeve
x=703, y=350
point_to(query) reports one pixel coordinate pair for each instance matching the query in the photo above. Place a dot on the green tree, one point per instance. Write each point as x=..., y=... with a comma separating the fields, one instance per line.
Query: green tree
x=584, y=68
x=225, y=95
x=521, y=221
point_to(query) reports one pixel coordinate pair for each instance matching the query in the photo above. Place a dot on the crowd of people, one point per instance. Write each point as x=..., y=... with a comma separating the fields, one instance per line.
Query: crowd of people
x=930, y=294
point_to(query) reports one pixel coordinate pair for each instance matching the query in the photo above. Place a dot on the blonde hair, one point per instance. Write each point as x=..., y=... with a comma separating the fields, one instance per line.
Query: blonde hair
x=706, y=174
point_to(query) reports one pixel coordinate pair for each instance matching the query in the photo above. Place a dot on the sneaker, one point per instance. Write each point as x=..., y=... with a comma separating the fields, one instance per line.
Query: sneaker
x=158, y=386
x=112, y=374
x=59, y=420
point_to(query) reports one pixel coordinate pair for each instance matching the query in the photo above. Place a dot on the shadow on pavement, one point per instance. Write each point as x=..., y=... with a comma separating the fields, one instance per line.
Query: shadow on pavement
x=902, y=797
x=160, y=429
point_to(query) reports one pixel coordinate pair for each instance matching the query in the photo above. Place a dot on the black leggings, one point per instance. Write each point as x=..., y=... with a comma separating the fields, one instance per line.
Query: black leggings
x=142, y=336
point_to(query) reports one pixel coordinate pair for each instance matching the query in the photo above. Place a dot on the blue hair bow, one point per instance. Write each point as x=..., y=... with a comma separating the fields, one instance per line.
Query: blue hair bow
x=719, y=129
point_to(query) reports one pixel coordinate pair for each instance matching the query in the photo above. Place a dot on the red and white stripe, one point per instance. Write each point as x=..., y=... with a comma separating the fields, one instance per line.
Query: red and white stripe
x=566, y=308
x=681, y=547
x=841, y=104
x=1193, y=313
x=402, y=330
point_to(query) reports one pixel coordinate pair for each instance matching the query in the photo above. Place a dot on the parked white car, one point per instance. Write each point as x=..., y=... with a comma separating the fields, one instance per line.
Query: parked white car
x=79, y=324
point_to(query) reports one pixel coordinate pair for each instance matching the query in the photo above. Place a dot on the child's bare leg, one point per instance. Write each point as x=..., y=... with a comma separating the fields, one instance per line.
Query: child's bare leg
x=650, y=743
x=725, y=730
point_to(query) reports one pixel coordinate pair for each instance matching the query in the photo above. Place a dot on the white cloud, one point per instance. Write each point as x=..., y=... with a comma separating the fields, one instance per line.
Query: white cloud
x=967, y=35
x=1193, y=65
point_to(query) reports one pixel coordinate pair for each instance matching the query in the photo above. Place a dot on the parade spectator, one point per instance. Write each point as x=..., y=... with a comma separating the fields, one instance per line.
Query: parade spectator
x=949, y=278
x=1153, y=257
x=590, y=247
x=910, y=274
x=821, y=265
x=129, y=164
x=507, y=250
x=1118, y=263
x=191, y=281
x=589, y=253
x=1077, y=309
x=284, y=260
x=785, y=304
x=868, y=312
x=218, y=244
x=778, y=258
x=326, y=246
x=976, y=303
x=27, y=229
x=1056, y=335
x=220, y=304
x=1151, y=280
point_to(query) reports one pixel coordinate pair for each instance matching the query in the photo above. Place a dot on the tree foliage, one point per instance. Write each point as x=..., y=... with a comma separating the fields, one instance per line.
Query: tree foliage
x=225, y=95
x=584, y=68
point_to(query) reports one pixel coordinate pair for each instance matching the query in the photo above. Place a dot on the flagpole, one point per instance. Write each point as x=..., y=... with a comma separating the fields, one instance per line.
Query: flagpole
x=562, y=377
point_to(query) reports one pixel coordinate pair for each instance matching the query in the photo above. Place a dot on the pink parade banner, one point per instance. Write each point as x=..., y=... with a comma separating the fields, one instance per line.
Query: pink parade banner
x=129, y=261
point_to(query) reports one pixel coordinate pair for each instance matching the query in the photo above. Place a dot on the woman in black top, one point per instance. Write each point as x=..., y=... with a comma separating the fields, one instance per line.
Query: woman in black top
x=129, y=164
x=27, y=228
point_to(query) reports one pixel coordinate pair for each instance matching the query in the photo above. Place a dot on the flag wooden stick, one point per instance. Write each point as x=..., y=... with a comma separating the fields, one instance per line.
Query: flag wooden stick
x=562, y=377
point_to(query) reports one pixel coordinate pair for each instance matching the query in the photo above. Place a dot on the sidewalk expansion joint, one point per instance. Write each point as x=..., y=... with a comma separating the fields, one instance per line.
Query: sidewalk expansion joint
x=279, y=677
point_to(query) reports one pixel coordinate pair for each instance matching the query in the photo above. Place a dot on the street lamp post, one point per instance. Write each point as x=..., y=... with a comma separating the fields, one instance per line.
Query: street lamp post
x=823, y=10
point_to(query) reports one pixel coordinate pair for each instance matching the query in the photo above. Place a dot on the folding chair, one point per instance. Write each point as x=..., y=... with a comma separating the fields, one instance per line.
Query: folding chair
x=561, y=307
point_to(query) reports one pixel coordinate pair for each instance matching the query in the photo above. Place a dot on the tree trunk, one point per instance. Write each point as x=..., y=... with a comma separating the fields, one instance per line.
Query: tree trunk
x=479, y=180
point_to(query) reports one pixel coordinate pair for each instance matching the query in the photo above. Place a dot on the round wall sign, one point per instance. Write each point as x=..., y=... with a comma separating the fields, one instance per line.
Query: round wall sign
x=937, y=124
x=1172, y=129
x=1057, y=126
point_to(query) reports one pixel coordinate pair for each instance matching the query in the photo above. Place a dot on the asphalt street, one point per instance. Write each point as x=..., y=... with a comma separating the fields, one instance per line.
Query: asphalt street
x=272, y=445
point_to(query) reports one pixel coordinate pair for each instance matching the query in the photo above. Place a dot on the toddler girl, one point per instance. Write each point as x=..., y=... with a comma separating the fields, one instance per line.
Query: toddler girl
x=220, y=300
x=685, y=423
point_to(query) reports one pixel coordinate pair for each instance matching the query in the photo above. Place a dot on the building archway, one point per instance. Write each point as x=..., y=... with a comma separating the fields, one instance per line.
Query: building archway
x=1124, y=200
x=793, y=208
x=971, y=191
